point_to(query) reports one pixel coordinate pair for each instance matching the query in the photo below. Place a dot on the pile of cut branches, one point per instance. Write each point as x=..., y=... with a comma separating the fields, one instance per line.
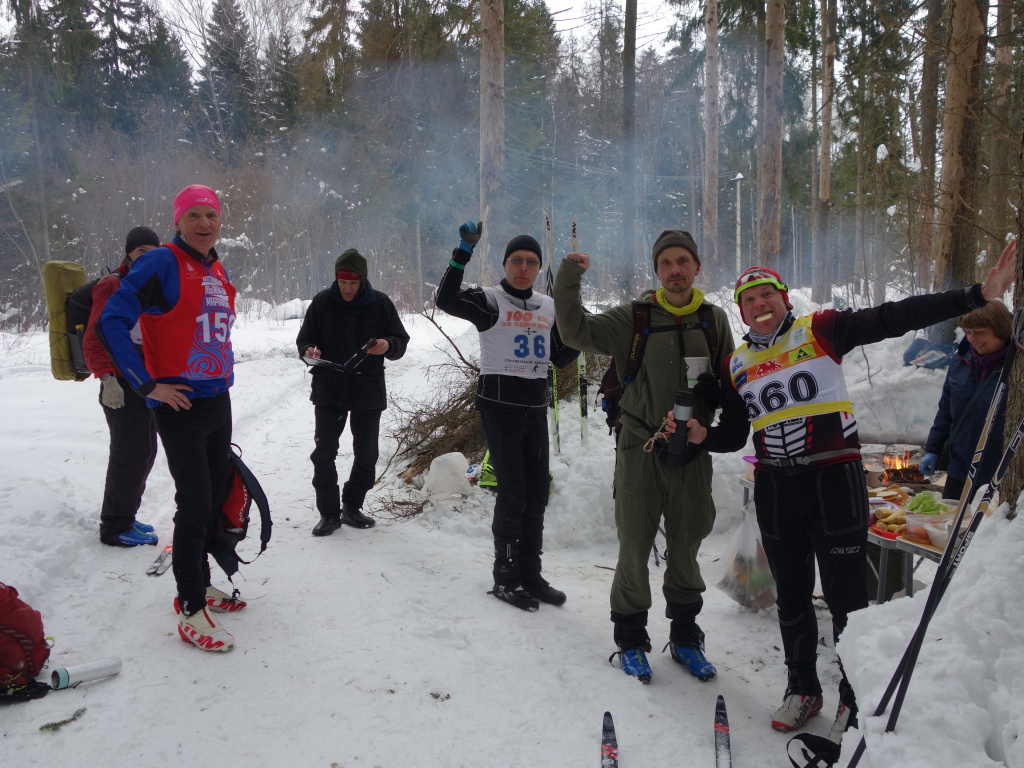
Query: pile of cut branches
x=445, y=420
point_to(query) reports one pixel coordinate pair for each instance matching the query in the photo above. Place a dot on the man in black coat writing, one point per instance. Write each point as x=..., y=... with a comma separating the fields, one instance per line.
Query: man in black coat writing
x=339, y=323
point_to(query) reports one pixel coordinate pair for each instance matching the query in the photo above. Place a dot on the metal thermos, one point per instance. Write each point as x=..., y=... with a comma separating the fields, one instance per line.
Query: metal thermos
x=66, y=677
x=683, y=412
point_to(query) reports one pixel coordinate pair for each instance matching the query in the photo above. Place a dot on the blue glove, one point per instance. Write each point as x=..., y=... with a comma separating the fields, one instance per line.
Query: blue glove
x=928, y=463
x=470, y=233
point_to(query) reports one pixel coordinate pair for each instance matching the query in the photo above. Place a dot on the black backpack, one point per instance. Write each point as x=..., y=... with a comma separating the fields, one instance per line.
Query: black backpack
x=611, y=388
x=243, y=490
x=78, y=308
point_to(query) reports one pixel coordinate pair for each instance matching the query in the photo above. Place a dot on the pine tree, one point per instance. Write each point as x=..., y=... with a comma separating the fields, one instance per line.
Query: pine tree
x=226, y=89
x=285, y=94
x=330, y=58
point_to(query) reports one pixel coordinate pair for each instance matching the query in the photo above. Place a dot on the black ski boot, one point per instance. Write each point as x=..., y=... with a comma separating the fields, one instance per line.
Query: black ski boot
x=355, y=518
x=507, y=585
x=539, y=588
x=516, y=596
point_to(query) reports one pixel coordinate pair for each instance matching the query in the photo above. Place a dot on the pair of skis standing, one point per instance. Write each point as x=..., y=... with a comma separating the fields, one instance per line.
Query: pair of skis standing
x=581, y=361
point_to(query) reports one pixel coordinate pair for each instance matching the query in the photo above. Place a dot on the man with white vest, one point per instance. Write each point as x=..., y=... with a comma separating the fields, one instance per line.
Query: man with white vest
x=518, y=339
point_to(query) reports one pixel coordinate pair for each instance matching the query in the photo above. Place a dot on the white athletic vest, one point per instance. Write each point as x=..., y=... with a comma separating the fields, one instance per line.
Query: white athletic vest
x=519, y=344
x=793, y=378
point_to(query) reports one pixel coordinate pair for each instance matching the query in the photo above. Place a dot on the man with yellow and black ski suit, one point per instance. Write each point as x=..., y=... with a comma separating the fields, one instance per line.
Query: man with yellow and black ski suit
x=809, y=482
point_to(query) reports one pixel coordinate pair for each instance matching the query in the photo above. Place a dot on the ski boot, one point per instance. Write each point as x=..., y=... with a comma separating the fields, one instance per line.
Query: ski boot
x=796, y=710
x=516, y=596
x=539, y=588
x=634, y=663
x=693, y=660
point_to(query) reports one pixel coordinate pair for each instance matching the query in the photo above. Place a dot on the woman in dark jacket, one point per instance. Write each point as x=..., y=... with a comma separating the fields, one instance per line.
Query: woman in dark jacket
x=339, y=322
x=966, y=395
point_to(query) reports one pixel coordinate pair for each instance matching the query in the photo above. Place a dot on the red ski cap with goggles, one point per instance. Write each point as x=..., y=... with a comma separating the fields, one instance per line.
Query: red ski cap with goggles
x=762, y=276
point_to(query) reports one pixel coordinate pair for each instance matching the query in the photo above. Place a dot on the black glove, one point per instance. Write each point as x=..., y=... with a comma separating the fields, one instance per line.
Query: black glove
x=708, y=390
x=670, y=459
x=470, y=233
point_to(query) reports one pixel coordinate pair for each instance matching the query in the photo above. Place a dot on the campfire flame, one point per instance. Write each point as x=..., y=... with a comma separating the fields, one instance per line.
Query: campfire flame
x=900, y=468
x=892, y=461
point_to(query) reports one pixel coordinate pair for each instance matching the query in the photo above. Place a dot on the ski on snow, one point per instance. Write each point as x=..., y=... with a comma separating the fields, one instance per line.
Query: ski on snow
x=723, y=751
x=609, y=746
x=162, y=562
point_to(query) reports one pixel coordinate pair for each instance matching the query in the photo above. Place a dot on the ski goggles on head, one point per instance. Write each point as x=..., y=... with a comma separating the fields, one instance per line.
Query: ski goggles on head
x=759, y=276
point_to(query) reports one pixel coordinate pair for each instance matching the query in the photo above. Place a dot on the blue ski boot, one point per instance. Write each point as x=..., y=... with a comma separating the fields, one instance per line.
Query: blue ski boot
x=634, y=663
x=133, y=537
x=694, y=661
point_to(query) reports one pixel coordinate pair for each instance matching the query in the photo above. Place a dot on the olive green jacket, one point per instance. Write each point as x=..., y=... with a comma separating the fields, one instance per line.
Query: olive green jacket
x=650, y=396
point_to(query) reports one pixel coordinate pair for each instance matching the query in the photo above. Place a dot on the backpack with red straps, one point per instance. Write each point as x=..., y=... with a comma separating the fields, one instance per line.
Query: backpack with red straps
x=23, y=648
x=242, y=490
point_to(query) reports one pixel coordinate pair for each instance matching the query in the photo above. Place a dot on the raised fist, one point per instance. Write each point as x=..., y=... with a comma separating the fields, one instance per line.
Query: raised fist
x=470, y=233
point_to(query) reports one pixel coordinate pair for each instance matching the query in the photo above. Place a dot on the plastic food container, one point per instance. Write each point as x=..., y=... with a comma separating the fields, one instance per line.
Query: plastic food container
x=930, y=528
x=748, y=467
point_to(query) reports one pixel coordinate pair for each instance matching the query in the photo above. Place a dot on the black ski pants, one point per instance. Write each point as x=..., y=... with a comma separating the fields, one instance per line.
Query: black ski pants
x=197, y=443
x=519, y=454
x=820, y=515
x=132, y=453
x=365, y=428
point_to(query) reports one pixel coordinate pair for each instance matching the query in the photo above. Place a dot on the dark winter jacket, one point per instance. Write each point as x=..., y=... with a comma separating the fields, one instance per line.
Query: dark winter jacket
x=958, y=427
x=340, y=329
x=512, y=394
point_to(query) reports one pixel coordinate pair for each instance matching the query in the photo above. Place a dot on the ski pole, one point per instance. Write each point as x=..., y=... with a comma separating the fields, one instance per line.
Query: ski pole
x=357, y=358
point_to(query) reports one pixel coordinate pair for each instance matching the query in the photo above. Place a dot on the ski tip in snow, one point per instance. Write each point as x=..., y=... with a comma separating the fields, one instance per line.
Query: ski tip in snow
x=162, y=562
x=609, y=746
x=723, y=749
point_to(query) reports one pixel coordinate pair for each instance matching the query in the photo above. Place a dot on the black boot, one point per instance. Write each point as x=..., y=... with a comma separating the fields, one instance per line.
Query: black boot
x=355, y=518
x=507, y=586
x=539, y=588
x=328, y=524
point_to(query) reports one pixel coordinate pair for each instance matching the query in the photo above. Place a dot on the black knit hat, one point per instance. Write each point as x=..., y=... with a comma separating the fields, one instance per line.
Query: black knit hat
x=522, y=243
x=671, y=237
x=140, y=236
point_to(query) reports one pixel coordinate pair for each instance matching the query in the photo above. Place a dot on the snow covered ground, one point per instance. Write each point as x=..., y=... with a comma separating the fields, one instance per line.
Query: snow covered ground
x=381, y=648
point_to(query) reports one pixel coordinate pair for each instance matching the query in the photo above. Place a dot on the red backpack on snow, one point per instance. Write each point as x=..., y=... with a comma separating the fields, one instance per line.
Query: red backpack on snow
x=23, y=647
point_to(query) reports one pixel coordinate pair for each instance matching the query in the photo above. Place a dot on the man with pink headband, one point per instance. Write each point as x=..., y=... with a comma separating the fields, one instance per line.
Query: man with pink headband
x=185, y=305
x=809, y=488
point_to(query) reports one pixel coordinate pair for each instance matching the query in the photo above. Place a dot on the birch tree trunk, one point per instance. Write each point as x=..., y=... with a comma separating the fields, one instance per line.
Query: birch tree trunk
x=492, y=131
x=711, y=119
x=956, y=239
x=770, y=180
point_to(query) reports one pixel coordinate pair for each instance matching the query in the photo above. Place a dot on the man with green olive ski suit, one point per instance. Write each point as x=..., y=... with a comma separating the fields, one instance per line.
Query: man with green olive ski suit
x=646, y=487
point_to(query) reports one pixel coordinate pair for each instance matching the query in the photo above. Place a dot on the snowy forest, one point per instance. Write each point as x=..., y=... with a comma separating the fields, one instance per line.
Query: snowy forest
x=864, y=149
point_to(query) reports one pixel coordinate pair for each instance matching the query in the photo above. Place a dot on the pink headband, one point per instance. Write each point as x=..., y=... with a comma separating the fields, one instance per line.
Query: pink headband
x=194, y=194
